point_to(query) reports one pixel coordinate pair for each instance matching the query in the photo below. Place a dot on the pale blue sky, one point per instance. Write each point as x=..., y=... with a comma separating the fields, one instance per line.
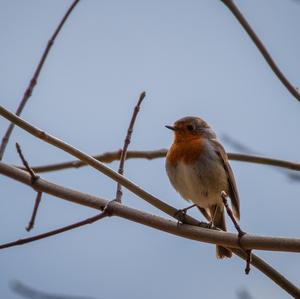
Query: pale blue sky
x=192, y=58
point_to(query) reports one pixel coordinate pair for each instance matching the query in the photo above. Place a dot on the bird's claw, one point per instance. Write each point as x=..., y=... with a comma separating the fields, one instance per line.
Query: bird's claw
x=180, y=216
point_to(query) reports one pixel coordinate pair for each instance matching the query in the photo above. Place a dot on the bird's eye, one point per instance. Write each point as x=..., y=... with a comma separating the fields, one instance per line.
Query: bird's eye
x=190, y=127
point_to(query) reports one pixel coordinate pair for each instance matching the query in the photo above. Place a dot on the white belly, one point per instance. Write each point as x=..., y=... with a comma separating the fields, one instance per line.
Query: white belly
x=202, y=184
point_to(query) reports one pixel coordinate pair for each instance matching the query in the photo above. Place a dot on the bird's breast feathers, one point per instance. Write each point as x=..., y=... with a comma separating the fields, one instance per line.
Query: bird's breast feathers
x=196, y=173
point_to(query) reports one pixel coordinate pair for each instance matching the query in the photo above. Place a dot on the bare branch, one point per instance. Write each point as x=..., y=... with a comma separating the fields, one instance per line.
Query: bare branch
x=241, y=147
x=34, y=79
x=54, y=232
x=109, y=157
x=192, y=230
x=264, y=161
x=271, y=272
x=186, y=231
x=34, y=212
x=34, y=178
x=126, y=144
x=236, y=12
x=92, y=162
x=241, y=233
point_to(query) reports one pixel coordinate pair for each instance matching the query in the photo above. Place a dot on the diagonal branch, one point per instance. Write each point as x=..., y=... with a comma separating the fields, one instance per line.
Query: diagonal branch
x=34, y=79
x=271, y=272
x=34, y=177
x=94, y=163
x=126, y=144
x=236, y=12
x=186, y=231
x=54, y=232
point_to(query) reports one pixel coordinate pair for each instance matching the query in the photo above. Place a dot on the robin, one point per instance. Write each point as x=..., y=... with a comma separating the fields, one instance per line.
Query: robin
x=198, y=168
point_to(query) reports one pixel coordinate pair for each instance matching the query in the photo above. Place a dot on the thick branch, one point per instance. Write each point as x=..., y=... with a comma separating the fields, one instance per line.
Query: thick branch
x=236, y=12
x=34, y=79
x=187, y=231
x=95, y=164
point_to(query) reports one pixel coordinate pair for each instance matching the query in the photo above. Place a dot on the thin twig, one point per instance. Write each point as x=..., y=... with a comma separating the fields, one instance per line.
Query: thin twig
x=264, y=161
x=248, y=260
x=34, y=178
x=186, y=231
x=54, y=232
x=34, y=212
x=34, y=79
x=241, y=233
x=109, y=157
x=270, y=272
x=230, y=214
x=236, y=12
x=126, y=144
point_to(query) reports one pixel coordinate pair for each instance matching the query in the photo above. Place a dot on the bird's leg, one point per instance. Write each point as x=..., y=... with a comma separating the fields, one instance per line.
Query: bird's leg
x=230, y=214
x=241, y=233
x=213, y=217
x=187, y=208
x=180, y=214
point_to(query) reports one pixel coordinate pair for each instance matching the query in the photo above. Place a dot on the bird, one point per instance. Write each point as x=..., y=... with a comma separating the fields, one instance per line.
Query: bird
x=198, y=168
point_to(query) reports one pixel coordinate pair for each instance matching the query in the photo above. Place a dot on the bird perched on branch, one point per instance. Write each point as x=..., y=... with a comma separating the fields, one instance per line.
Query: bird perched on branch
x=198, y=168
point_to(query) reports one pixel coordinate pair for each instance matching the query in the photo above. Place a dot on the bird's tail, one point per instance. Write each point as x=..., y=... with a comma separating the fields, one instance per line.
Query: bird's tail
x=219, y=221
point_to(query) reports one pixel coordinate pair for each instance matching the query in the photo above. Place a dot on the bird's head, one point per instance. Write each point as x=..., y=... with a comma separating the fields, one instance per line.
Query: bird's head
x=189, y=128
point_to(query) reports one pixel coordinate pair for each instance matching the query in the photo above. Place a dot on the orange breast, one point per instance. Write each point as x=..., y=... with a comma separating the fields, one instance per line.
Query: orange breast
x=187, y=151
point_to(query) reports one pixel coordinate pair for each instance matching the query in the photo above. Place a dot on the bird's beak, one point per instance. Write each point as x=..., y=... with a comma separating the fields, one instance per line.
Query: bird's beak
x=170, y=128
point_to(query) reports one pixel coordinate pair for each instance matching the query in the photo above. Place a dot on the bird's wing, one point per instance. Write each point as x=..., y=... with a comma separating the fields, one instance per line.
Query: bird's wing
x=233, y=192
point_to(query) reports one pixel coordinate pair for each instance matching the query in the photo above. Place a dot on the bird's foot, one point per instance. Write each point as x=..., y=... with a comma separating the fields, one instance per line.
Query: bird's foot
x=210, y=225
x=181, y=213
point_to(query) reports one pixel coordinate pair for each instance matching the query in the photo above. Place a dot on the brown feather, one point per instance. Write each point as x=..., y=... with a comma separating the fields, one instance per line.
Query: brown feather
x=233, y=192
x=219, y=221
x=187, y=151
